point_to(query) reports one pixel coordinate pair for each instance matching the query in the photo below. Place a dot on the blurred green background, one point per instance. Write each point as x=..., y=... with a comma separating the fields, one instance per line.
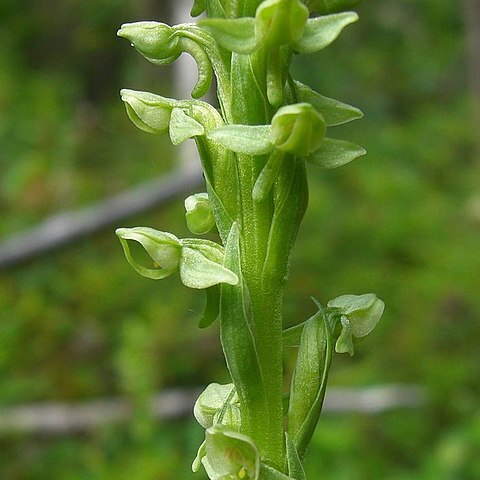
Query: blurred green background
x=78, y=324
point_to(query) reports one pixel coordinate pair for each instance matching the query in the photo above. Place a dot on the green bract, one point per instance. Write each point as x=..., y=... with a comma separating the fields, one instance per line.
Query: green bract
x=332, y=111
x=320, y=32
x=309, y=381
x=335, y=153
x=254, y=149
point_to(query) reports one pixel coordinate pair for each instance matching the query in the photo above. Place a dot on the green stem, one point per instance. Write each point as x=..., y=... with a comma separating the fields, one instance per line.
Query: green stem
x=266, y=299
x=248, y=105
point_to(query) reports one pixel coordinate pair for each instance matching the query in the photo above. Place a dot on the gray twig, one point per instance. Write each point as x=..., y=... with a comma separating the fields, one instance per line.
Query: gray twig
x=67, y=227
x=62, y=419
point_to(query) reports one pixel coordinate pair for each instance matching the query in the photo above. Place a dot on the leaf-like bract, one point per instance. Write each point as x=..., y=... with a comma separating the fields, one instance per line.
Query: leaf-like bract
x=333, y=111
x=335, y=153
x=320, y=32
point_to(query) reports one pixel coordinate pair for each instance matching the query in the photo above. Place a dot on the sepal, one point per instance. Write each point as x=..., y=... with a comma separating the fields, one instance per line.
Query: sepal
x=247, y=139
x=201, y=264
x=163, y=248
x=218, y=404
x=149, y=112
x=197, y=461
x=344, y=343
x=183, y=127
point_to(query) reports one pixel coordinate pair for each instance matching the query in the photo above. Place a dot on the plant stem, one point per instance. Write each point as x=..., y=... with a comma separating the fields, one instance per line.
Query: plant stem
x=266, y=299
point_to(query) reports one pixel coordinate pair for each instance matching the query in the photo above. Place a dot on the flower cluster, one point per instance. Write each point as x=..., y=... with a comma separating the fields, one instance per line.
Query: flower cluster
x=254, y=149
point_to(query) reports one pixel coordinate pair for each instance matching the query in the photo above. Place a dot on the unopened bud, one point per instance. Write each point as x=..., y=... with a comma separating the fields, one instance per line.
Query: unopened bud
x=199, y=213
x=298, y=129
x=280, y=22
x=149, y=112
x=230, y=454
x=154, y=40
x=360, y=315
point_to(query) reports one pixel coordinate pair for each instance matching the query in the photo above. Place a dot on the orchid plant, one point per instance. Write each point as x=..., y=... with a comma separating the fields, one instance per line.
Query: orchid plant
x=254, y=150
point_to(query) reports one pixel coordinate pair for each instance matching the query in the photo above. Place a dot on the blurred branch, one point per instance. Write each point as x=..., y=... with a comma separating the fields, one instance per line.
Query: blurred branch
x=60, y=419
x=68, y=227
x=374, y=399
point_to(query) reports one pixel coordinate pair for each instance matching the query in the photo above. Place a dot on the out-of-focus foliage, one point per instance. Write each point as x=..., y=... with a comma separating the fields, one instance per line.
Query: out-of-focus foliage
x=402, y=222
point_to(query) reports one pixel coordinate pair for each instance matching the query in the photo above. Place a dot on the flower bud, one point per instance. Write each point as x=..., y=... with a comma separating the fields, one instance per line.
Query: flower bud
x=199, y=213
x=162, y=247
x=155, y=41
x=280, y=22
x=298, y=129
x=212, y=401
x=230, y=454
x=360, y=315
x=362, y=311
x=149, y=112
